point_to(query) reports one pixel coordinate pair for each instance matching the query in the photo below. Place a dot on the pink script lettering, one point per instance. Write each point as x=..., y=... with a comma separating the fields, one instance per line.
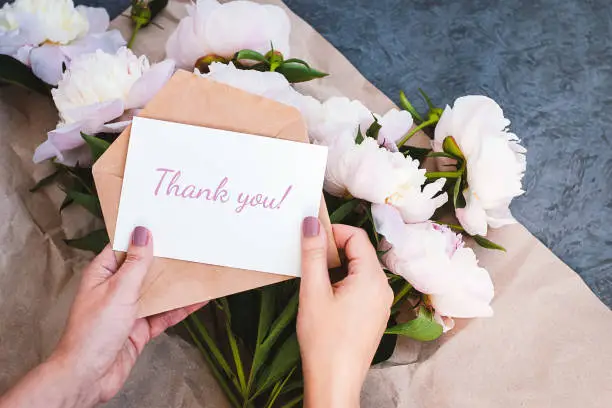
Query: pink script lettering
x=260, y=200
x=173, y=188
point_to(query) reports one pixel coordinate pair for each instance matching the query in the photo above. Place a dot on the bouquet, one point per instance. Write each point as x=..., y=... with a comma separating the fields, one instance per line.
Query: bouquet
x=421, y=207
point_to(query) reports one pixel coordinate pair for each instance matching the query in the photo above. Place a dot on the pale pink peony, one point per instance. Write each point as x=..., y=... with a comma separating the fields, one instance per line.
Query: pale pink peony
x=48, y=34
x=99, y=93
x=435, y=262
x=224, y=29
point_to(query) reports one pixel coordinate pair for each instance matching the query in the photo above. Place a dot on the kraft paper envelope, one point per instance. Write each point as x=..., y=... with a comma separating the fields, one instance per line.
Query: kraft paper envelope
x=194, y=100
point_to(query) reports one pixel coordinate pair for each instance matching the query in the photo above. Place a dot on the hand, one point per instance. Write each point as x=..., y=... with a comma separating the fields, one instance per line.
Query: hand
x=339, y=326
x=103, y=337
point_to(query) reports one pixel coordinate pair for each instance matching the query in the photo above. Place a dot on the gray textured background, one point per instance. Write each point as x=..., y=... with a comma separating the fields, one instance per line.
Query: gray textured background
x=547, y=62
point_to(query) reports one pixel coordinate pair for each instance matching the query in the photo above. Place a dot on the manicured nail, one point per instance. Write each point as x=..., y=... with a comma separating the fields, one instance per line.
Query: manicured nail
x=310, y=227
x=140, y=236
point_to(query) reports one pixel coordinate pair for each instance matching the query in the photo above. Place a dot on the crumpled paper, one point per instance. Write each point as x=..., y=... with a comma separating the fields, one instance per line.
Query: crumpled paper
x=548, y=344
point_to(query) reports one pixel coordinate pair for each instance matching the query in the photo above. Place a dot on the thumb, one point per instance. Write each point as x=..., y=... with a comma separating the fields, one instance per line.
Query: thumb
x=315, y=276
x=132, y=272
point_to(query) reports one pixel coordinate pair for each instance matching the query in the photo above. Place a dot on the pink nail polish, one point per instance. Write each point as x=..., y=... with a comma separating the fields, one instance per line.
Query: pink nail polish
x=140, y=236
x=310, y=227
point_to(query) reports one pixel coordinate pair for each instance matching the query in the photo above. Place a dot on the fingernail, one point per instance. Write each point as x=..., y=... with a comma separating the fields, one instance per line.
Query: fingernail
x=310, y=227
x=140, y=236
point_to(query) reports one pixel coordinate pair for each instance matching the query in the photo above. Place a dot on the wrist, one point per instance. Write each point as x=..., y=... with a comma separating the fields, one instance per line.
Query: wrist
x=69, y=387
x=331, y=388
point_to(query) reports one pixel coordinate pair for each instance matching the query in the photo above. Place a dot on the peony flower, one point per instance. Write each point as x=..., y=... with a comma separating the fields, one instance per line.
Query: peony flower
x=99, y=93
x=337, y=116
x=375, y=174
x=435, y=262
x=495, y=161
x=394, y=125
x=48, y=34
x=224, y=29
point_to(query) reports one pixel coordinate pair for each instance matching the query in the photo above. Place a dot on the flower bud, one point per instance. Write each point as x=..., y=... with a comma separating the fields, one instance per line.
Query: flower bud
x=203, y=63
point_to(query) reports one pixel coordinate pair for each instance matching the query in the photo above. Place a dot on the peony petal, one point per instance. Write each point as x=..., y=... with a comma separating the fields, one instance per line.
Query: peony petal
x=388, y=222
x=395, y=124
x=80, y=156
x=473, y=217
x=58, y=141
x=149, y=84
x=92, y=117
x=472, y=292
x=116, y=127
x=185, y=45
x=47, y=63
x=97, y=17
x=45, y=151
x=108, y=42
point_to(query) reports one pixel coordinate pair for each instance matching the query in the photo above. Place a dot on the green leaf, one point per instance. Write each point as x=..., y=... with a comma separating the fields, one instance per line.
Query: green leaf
x=295, y=401
x=282, y=321
x=359, y=139
x=214, y=350
x=216, y=373
x=450, y=146
x=422, y=328
x=430, y=104
x=95, y=241
x=234, y=347
x=67, y=201
x=284, y=361
x=485, y=243
x=96, y=145
x=266, y=312
x=45, y=181
x=298, y=72
x=299, y=61
x=89, y=202
x=343, y=211
x=374, y=129
x=250, y=55
x=406, y=105
x=15, y=72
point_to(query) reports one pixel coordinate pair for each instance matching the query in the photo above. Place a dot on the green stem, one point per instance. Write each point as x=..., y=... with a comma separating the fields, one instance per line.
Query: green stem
x=133, y=37
x=403, y=291
x=440, y=174
x=218, y=376
x=414, y=130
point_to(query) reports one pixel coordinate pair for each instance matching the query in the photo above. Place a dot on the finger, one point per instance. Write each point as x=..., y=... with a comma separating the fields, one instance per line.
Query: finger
x=101, y=268
x=132, y=272
x=315, y=276
x=357, y=246
x=160, y=322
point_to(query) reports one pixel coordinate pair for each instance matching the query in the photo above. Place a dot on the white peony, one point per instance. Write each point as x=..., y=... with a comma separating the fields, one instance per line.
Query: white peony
x=375, y=174
x=435, y=262
x=337, y=116
x=224, y=29
x=49, y=34
x=395, y=124
x=495, y=161
x=99, y=92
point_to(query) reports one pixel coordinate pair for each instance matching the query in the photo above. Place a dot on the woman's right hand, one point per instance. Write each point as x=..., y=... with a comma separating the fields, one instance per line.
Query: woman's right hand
x=339, y=326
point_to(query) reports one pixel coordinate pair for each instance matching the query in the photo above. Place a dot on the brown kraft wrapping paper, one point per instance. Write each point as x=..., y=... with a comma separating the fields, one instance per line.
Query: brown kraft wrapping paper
x=548, y=344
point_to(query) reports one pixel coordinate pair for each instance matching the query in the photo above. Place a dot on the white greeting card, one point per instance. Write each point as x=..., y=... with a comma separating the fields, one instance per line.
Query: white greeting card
x=219, y=197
